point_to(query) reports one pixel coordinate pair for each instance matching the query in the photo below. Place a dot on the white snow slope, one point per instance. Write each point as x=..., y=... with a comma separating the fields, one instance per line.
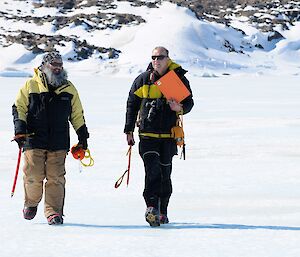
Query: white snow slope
x=198, y=45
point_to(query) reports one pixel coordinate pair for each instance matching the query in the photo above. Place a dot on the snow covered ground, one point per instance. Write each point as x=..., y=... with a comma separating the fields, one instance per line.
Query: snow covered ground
x=237, y=194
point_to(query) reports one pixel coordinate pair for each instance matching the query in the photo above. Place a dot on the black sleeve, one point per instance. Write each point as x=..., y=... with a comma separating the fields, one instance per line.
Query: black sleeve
x=133, y=106
x=187, y=103
x=82, y=133
x=20, y=125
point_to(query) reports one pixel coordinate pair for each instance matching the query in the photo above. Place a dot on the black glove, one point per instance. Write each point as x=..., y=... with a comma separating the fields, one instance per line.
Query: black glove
x=83, y=143
x=83, y=135
x=21, y=140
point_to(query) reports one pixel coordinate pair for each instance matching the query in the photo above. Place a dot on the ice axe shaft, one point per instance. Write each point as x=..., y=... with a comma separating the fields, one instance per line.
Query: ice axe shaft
x=17, y=172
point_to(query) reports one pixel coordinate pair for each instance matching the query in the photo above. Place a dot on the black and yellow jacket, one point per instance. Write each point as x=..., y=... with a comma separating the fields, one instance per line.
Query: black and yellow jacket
x=144, y=95
x=44, y=114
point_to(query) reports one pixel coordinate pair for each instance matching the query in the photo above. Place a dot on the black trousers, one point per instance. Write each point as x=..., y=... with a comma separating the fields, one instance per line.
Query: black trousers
x=157, y=156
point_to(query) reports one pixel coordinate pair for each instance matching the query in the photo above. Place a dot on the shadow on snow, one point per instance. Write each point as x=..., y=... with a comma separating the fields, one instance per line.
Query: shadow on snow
x=177, y=225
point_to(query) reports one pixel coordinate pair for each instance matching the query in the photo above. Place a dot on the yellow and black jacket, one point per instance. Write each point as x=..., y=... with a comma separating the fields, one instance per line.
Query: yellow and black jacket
x=45, y=114
x=155, y=116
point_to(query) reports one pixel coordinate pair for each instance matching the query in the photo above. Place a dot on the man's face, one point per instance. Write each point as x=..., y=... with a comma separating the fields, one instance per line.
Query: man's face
x=56, y=66
x=55, y=74
x=160, y=60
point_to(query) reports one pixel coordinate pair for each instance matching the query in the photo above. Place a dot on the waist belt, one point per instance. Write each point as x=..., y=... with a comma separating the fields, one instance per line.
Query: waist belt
x=155, y=135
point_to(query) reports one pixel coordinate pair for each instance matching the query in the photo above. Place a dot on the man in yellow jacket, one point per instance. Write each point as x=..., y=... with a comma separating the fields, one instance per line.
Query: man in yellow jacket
x=42, y=111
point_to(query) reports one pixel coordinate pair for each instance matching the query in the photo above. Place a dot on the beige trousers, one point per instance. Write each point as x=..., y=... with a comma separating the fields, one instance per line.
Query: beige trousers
x=40, y=165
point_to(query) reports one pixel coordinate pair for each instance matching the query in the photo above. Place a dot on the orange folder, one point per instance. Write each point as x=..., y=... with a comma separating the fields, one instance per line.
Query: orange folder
x=172, y=87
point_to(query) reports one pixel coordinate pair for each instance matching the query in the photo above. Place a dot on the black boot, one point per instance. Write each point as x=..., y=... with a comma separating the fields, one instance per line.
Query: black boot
x=29, y=212
x=55, y=219
x=152, y=216
x=163, y=219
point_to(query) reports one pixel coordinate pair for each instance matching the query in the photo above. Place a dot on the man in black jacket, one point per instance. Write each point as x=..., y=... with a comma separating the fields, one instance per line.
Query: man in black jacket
x=156, y=116
x=42, y=111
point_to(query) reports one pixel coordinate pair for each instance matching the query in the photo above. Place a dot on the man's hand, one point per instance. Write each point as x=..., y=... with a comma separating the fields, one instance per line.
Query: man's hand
x=130, y=138
x=174, y=105
x=20, y=139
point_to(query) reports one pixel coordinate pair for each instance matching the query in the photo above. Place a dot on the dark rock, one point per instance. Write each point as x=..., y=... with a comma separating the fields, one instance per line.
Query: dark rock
x=259, y=46
x=275, y=35
x=37, y=50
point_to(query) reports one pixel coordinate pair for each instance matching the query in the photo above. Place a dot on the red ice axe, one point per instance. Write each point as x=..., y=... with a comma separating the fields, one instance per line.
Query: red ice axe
x=17, y=172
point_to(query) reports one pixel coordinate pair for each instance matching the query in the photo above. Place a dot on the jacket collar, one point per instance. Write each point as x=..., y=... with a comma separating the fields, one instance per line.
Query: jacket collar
x=171, y=66
x=40, y=77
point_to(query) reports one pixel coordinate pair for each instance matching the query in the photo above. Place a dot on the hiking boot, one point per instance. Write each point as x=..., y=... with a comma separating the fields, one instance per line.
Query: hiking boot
x=55, y=219
x=152, y=216
x=163, y=219
x=29, y=212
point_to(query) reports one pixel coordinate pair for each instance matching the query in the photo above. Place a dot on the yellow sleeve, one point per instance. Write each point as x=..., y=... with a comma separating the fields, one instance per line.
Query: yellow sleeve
x=21, y=102
x=77, y=117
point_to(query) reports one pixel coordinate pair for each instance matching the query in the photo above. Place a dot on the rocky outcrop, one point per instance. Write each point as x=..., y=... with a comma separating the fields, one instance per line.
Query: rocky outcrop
x=82, y=49
x=90, y=22
x=264, y=15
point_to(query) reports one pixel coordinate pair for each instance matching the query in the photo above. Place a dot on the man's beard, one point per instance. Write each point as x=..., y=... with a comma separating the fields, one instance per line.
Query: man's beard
x=55, y=80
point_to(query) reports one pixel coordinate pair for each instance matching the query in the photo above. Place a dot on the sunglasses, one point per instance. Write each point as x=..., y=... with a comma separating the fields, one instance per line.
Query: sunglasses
x=158, y=57
x=56, y=64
